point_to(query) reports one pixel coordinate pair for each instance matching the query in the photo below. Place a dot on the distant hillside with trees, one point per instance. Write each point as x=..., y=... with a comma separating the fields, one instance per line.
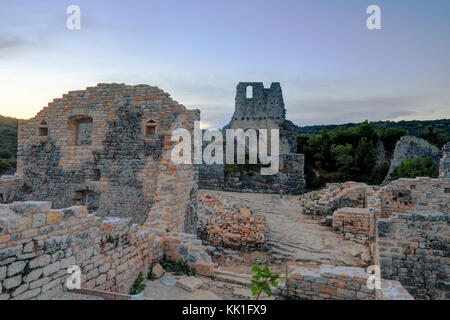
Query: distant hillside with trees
x=350, y=152
x=332, y=153
x=414, y=127
x=8, y=144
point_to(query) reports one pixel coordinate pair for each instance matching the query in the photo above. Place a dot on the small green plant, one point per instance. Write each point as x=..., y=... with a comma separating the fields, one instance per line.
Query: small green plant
x=138, y=286
x=214, y=277
x=262, y=280
x=179, y=268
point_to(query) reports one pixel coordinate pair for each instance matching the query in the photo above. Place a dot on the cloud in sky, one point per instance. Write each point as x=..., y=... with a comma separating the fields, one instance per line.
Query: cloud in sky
x=332, y=69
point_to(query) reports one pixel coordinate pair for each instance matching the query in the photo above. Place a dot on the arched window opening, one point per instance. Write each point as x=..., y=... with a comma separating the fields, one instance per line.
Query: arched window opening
x=249, y=93
x=150, y=128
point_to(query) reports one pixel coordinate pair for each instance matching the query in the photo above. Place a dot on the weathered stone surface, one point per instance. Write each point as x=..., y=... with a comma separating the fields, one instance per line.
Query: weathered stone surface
x=190, y=283
x=444, y=165
x=40, y=261
x=111, y=252
x=33, y=275
x=16, y=267
x=230, y=225
x=95, y=148
x=336, y=195
x=13, y=282
x=157, y=271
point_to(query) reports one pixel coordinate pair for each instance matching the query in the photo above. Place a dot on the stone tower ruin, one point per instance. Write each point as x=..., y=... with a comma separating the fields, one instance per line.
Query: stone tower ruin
x=108, y=148
x=257, y=108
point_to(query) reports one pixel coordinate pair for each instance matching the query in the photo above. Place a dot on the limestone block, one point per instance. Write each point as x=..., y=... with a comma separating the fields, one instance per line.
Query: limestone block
x=190, y=283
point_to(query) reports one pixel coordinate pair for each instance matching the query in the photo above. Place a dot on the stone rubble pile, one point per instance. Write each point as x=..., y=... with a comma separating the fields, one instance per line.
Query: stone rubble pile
x=228, y=224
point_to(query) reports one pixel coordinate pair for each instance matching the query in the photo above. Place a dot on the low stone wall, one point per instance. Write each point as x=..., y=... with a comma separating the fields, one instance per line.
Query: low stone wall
x=11, y=188
x=230, y=225
x=353, y=223
x=336, y=195
x=38, y=245
x=422, y=194
x=338, y=283
x=413, y=248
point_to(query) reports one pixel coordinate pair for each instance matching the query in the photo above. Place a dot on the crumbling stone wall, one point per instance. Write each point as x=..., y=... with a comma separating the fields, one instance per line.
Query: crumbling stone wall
x=352, y=223
x=413, y=248
x=92, y=147
x=12, y=188
x=289, y=179
x=444, y=168
x=422, y=194
x=334, y=196
x=410, y=147
x=39, y=244
x=338, y=283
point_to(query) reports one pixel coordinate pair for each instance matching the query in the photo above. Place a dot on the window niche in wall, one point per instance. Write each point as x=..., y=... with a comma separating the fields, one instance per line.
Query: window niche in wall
x=150, y=128
x=42, y=129
x=249, y=92
x=83, y=130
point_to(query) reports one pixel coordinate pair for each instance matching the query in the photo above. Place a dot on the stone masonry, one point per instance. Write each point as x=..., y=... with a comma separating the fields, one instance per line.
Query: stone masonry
x=38, y=244
x=413, y=248
x=108, y=148
x=338, y=283
x=263, y=109
x=407, y=222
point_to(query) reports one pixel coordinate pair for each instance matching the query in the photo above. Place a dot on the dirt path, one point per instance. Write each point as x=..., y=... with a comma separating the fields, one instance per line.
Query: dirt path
x=293, y=236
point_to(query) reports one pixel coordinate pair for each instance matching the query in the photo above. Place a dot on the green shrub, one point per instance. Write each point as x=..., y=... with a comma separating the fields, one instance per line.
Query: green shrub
x=138, y=285
x=419, y=167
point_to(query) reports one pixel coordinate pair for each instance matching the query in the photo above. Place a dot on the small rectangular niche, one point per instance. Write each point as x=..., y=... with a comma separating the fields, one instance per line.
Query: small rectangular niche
x=42, y=131
x=150, y=128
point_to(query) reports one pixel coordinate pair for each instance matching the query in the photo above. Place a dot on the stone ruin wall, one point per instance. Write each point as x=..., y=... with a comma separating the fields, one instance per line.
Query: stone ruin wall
x=264, y=110
x=91, y=148
x=413, y=233
x=413, y=248
x=444, y=166
x=11, y=188
x=338, y=283
x=407, y=222
x=39, y=244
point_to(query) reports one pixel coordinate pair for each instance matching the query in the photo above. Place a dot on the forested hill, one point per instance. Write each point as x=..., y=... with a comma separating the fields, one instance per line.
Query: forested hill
x=414, y=127
x=8, y=137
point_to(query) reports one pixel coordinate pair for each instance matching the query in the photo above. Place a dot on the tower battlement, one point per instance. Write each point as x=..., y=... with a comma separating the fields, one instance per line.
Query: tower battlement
x=256, y=103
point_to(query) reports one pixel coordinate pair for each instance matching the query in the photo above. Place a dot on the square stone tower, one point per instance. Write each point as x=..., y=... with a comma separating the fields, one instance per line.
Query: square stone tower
x=108, y=147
